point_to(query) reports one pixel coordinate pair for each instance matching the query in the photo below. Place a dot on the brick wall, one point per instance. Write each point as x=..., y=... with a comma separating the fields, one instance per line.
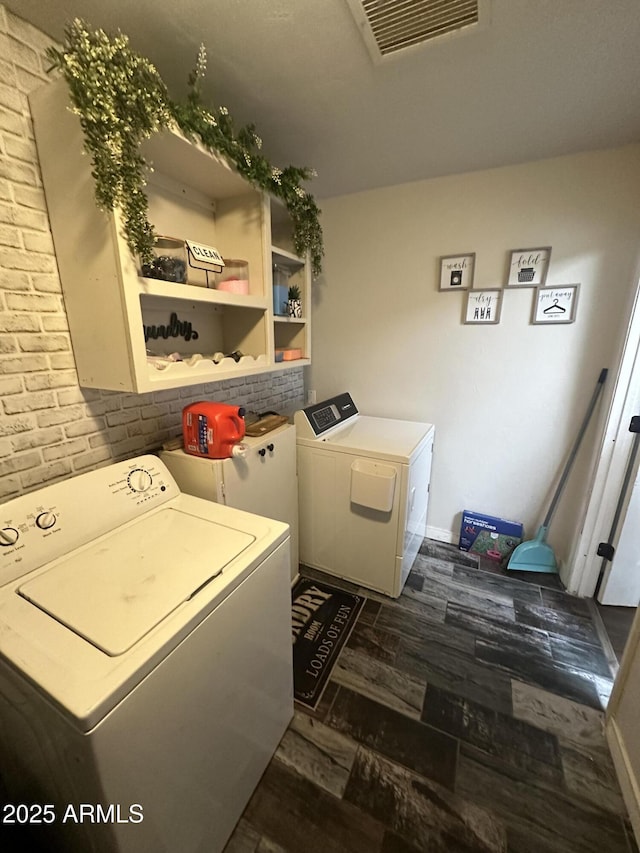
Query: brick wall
x=50, y=428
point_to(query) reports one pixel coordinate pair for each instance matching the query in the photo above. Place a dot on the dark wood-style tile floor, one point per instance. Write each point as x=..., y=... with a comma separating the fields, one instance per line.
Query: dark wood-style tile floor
x=464, y=717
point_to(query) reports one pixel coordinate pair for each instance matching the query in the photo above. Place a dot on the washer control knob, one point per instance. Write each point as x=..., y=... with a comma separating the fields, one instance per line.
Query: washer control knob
x=45, y=520
x=139, y=480
x=8, y=536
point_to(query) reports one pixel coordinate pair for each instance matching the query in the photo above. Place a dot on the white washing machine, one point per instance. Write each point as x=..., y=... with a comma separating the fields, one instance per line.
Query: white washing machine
x=363, y=493
x=145, y=661
x=262, y=481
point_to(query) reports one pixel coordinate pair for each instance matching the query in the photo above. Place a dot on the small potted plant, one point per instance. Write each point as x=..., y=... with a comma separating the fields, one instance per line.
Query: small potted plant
x=294, y=304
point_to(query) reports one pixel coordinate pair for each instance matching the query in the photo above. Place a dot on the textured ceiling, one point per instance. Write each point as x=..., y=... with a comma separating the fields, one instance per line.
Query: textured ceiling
x=544, y=78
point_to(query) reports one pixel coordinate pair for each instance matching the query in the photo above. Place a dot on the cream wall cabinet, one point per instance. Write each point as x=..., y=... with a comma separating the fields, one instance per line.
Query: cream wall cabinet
x=118, y=319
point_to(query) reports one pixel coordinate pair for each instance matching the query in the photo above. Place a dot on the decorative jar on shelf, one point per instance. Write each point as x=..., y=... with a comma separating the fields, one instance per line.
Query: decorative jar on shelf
x=169, y=261
x=280, y=287
x=294, y=303
x=234, y=278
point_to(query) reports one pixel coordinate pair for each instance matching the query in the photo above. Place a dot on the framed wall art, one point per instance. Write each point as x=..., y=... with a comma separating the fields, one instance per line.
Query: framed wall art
x=483, y=307
x=528, y=267
x=456, y=271
x=554, y=305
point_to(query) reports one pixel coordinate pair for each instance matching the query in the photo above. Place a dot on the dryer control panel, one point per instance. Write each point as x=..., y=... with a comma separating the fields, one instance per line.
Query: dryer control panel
x=39, y=527
x=314, y=421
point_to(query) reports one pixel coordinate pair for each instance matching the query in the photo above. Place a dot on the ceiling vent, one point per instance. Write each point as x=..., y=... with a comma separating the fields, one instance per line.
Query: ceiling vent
x=390, y=26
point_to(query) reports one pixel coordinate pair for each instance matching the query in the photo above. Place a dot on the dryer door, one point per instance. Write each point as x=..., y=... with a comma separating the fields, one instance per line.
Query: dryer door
x=340, y=535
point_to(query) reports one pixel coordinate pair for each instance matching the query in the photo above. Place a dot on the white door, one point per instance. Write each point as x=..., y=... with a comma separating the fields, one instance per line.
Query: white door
x=582, y=570
x=621, y=583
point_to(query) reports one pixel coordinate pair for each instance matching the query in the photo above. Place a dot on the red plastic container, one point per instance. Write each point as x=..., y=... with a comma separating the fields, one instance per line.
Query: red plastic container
x=212, y=429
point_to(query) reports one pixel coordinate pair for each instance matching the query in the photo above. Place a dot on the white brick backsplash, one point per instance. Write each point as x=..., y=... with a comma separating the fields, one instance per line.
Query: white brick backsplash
x=23, y=364
x=11, y=121
x=48, y=422
x=62, y=361
x=20, y=462
x=75, y=394
x=20, y=215
x=55, y=324
x=44, y=343
x=142, y=428
x=8, y=73
x=7, y=344
x=12, y=99
x=24, y=32
x=111, y=403
x=110, y=436
x=29, y=81
x=54, y=417
x=43, y=283
x=119, y=418
x=132, y=446
x=33, y=302
x=91, y=459
x=18, y=404
x=11, y=237
x=22, y=54
x=133, y=401
x=17, y=259
x=45, y=475
x=64, y=450
x=10, y=487
x=14, y=279
x=29, y=197
x=167, y=396
x=17, y=424
x=41, y=242
x=21, y=149
x=19, y=323
x=19, y=173
x=6, y=193
x=84, y=427
x=10, y=385
x=37, y=438
x=59, y=379
x=152, y=411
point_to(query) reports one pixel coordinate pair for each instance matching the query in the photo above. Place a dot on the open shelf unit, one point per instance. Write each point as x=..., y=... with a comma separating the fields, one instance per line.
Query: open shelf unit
x=124, y=326
x=290, y=332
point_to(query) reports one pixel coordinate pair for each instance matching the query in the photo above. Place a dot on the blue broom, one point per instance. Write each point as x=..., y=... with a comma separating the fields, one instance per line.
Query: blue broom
x=535, y=555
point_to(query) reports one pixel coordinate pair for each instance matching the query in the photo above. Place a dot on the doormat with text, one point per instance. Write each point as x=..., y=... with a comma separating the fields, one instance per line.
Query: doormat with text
x=322, y=617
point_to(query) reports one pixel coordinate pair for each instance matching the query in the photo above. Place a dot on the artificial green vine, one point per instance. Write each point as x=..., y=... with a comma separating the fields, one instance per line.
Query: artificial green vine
x=121, y=101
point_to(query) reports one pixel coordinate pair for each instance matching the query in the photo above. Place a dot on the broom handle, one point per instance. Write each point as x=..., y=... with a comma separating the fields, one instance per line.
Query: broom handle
x=576, y=446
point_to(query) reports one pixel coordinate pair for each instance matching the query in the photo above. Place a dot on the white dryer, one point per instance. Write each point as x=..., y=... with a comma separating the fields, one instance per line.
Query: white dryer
x=145, y=661
x=363, y=493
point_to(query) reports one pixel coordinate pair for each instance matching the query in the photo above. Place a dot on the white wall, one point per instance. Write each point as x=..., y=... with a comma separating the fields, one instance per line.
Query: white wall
x=506, y=400
x=50, y=428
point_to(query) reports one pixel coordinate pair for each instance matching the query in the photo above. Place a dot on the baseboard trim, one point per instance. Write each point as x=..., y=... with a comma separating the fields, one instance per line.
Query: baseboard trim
x=440, y=534
x=624, y=771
